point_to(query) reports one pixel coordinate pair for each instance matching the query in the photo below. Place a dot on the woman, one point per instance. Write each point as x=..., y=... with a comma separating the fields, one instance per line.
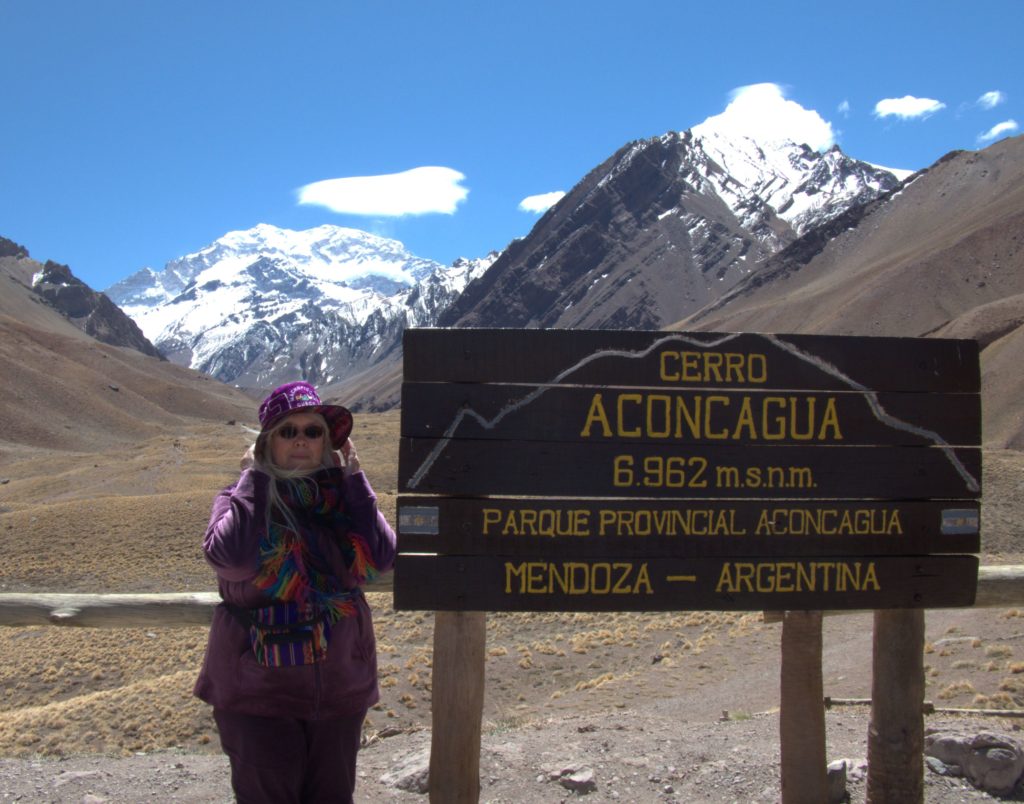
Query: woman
x=291, y=665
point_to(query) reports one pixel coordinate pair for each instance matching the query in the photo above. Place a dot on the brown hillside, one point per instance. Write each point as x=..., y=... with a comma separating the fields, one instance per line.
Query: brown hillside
x=1002, y=391
x=105, y=490
x=67, y=391
x=375, y=389
x=941, y=257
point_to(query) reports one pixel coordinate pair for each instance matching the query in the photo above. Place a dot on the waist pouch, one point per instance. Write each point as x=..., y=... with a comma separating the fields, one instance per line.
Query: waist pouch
x=285, y=634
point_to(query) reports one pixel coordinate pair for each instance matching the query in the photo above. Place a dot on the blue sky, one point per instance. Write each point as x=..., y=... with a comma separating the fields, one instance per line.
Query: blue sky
x=135, y=131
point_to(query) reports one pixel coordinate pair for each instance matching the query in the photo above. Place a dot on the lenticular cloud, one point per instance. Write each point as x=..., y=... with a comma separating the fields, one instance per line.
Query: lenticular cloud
x=419, y=191
x=1004, y=129
x=908, y=107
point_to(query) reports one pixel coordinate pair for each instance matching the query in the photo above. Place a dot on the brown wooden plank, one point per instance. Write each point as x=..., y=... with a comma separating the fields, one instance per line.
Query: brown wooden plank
x=803, y=763
x=471, y=468
x=695, y=359
x=456, y=706
x=597, y=413
x=637, y=528
x=896, y=730
x=516, y=583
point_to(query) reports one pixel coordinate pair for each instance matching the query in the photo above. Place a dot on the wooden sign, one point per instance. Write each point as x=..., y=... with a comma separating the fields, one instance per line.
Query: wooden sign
x=624, y=527
x=705, y=416
x=449, y=466
x=502, y=583
x=690, y=359
x=560, y=454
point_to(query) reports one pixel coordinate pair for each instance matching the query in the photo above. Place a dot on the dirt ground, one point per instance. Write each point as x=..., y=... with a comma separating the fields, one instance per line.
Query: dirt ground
x=678, y=706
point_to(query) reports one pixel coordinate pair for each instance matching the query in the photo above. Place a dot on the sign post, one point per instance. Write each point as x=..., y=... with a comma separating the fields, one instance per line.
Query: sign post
x=567, y=470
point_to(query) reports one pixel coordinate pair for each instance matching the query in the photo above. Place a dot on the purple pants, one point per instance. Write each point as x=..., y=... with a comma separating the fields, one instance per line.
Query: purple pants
x=288, y=761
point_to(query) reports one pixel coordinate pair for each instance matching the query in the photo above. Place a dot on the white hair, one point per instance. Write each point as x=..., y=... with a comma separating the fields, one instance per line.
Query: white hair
x=264, y=462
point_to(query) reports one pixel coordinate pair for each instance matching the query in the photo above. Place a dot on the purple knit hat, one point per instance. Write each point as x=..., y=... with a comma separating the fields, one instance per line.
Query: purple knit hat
x=302, y=397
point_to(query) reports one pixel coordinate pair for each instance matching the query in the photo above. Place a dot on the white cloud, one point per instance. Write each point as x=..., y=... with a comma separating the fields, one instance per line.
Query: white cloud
x=999, y=130
x=844, y=108
x=990, y=100
x=908, y=107
x=761, y=112
x=541, y=203
x=419, y=191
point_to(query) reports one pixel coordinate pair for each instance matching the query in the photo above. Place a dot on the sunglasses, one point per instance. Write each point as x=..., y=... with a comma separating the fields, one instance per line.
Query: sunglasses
x=310, y=431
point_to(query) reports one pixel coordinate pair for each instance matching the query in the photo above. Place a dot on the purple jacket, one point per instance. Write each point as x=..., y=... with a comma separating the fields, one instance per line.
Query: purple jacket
x=231, y=678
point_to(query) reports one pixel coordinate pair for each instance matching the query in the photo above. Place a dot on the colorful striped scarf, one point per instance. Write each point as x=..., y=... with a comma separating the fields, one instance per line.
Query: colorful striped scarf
x=289, y=563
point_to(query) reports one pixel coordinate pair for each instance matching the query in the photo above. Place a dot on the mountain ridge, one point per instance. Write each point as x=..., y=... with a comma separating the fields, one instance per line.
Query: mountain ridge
x=69, y=391
x=692, y=230
x=941, y=257
x=619, y=252
x=263, y=305
x=89, y=311
x=651, y=233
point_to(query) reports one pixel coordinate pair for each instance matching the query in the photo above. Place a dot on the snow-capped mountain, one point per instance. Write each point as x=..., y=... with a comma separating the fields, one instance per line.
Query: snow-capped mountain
x=665, y=226
x=266, y=304
x=803, y=186
x=332, y=255
x=660, y=229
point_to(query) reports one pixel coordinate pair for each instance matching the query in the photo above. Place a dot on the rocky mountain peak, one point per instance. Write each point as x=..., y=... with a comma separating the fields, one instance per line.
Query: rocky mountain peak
x=8, y=248
x=663, y=227
x=268, y=304
x=331, y=255
x=92, y=312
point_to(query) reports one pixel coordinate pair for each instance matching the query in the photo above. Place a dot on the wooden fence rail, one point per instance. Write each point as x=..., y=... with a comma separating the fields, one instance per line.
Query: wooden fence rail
x=174, y=609
x=997, y=586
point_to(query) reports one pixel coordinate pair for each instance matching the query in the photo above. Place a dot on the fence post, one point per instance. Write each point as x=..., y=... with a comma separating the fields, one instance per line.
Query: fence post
x=457, y=700
x=802, y=711
x=896, y=731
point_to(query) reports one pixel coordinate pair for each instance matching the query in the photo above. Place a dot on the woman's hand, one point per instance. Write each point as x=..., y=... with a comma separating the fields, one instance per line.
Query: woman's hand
x=349, y=457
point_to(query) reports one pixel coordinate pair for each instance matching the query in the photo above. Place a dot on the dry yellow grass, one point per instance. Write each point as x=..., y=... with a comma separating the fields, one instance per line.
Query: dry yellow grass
x=956, y=690
x=131, y=519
